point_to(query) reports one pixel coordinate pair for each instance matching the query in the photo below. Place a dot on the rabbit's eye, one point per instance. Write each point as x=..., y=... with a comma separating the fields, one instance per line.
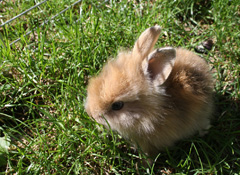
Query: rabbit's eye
x=117, y=105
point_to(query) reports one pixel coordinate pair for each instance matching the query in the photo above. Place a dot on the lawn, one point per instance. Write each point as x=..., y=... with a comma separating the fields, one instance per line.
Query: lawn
x=44, y=128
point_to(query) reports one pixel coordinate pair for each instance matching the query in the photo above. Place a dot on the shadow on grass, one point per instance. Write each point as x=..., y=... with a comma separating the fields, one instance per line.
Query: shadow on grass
x=198, y=10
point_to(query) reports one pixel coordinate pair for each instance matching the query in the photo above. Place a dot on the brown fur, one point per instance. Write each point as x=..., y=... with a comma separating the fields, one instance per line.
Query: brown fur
x=154, y=115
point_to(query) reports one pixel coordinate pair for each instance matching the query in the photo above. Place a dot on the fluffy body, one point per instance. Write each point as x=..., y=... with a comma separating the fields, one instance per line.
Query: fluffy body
x=158, y=109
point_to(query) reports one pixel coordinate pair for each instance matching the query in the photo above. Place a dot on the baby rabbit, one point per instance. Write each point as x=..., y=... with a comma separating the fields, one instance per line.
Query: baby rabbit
x=153, y=98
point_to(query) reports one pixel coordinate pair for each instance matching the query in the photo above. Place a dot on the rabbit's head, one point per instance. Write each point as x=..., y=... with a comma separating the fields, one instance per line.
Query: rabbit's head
x=127, y=94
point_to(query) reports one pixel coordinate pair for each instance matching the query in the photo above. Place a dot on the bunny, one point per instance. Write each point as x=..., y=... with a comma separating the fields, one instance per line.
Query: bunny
x=153, y=98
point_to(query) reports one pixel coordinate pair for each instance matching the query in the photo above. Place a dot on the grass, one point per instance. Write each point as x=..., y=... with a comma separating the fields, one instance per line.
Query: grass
x=44, y=128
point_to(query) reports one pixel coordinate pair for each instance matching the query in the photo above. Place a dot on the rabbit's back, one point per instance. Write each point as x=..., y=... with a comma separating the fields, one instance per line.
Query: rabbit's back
x=189, y=90
x=190, y=79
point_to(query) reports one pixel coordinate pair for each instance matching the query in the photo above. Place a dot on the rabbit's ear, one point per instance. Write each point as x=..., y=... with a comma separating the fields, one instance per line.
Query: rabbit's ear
x=146, y=42
x=159, y=64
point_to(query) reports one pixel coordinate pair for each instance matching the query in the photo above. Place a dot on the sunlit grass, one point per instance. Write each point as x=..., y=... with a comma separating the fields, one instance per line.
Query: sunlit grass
x=43, y=81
